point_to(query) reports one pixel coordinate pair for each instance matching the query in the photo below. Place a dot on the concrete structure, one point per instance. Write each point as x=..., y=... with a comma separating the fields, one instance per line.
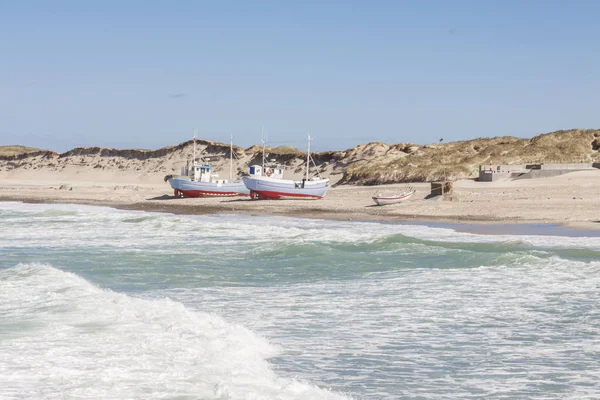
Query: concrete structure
x=442, y=190
x=490, y=173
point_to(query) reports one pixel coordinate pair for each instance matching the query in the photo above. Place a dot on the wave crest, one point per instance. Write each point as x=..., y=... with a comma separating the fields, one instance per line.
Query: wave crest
x=68, y=336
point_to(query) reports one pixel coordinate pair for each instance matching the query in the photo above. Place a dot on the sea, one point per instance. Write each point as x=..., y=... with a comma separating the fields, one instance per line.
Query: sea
x=99, y=303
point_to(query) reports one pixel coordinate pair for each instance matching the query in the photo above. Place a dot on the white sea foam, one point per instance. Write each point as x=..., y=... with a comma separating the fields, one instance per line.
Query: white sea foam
x=376, y=310
x=526, y=329
x=114, y=228
x=63, y=337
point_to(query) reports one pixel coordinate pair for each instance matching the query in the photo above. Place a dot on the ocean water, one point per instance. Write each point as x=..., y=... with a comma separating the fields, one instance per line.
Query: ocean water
x=97, y=303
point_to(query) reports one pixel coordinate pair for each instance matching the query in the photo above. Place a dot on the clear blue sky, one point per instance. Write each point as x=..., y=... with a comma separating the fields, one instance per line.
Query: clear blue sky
x=144, y=74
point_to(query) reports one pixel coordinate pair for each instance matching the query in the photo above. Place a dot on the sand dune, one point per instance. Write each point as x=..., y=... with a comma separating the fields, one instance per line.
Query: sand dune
x=366, y=164
x=134, y=179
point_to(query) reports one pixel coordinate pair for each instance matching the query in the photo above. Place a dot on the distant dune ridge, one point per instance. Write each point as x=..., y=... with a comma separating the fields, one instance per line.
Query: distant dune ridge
x=16, y=150
x=366, y=164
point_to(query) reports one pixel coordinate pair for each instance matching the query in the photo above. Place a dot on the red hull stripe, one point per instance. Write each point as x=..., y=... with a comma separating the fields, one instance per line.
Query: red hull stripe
x=268, y=184
x=204, y=193
x=275, y=195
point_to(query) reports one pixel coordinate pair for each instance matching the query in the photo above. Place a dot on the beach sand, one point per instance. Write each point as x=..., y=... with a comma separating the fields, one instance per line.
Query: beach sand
x=571, y=200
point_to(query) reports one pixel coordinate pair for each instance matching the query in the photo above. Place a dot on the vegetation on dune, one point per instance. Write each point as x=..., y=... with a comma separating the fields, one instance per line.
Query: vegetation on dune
x=366, y=164
x=457, y=160
x=284, y=150
x=16, y=150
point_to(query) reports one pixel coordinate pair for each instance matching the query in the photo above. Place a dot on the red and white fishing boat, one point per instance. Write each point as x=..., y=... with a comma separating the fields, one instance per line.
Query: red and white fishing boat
x=268, y=183
x=200, y=181
x=384, y=200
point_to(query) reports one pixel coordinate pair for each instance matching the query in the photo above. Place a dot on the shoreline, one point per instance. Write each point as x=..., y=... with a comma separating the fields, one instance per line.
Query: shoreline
x=467, y=224
x=534, y=206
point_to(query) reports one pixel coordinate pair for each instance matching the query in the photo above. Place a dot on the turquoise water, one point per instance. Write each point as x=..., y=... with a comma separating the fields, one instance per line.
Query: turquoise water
x=100, y=303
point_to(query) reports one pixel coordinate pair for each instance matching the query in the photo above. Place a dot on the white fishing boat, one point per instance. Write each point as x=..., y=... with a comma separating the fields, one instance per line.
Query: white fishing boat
x=267, y=182
x=201, y=181
x=384, y=200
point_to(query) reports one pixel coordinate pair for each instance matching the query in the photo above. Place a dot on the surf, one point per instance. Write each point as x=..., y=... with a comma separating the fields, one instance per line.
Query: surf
x=71, y=337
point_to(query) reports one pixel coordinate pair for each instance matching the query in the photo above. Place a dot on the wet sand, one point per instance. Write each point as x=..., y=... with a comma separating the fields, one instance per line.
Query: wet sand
x=536, y=206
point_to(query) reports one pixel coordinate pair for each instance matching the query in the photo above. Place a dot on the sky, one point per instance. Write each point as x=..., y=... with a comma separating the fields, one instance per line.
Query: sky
x=146, y=74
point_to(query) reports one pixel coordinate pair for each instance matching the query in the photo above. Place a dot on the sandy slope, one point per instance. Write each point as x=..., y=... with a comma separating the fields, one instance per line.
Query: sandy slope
x=571, y=199
x=365, y=164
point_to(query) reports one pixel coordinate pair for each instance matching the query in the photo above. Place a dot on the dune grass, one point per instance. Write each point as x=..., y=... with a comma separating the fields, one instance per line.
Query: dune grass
x=16, y=150
x=456, y=160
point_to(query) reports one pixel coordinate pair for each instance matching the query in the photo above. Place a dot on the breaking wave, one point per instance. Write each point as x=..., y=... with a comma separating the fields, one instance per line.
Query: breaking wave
x=63, y=336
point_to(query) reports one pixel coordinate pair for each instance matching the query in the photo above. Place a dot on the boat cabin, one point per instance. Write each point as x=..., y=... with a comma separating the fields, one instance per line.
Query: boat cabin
x=203, y=173
x=271, y=172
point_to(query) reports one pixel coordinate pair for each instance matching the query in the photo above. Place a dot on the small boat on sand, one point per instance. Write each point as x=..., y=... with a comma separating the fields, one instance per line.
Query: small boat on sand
x=384, y=200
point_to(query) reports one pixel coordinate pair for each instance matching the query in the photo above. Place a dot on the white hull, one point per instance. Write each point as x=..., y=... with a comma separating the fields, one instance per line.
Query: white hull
x=261, y=187
x=386, y=200
x=189, y=188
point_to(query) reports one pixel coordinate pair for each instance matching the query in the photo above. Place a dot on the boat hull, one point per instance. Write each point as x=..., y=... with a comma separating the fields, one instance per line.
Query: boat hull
x=386, y=200
x=188, y=188
x=268, y=188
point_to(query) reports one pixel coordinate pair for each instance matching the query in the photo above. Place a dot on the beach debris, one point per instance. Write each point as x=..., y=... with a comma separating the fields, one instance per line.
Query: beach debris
x=127, y=187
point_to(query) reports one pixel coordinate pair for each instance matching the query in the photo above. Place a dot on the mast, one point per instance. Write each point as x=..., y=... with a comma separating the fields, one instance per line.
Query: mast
x=308, y=157
x=194, y=160
x=263, y=142
x=231, y=158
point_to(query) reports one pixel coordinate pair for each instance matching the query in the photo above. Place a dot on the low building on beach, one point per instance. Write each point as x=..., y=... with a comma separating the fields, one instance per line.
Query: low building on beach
x=494, y=172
